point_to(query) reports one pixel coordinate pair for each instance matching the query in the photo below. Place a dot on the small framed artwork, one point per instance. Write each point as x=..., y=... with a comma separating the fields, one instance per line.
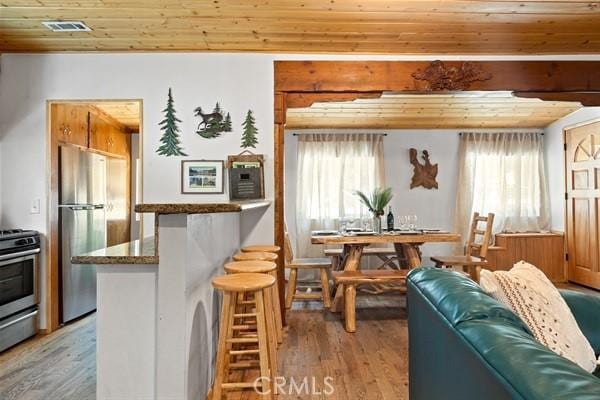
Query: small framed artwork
x=202, y=177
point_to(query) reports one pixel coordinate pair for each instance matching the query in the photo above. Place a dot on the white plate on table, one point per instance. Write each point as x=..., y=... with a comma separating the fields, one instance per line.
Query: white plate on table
x=433, y=231
x=364, y=233
x=355, y=230
x=325, y=233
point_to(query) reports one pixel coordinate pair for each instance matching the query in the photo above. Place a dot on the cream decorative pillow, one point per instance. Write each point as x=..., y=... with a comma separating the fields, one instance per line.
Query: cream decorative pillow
x=530, y=294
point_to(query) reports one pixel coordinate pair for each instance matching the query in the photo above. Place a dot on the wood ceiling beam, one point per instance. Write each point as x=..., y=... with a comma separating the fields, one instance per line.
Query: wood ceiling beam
x=397, y=76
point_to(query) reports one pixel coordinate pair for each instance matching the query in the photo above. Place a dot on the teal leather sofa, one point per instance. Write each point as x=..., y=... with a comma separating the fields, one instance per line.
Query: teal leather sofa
x=465, y=345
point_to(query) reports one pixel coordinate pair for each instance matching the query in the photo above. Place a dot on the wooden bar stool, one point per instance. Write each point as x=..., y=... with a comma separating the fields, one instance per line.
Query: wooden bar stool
x=261, y=248
x=259, y=285
x=262, y=267
x=255, y=256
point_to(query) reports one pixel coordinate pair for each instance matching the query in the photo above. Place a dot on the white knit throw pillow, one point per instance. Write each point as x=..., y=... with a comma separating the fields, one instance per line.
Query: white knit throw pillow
x=529, y=294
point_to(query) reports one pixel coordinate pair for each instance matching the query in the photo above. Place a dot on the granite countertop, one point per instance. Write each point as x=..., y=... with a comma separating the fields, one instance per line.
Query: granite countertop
x=136, y=252
x=200, y=208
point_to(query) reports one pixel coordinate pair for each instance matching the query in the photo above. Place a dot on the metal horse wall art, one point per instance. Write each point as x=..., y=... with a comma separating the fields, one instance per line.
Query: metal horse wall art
x=424, y=174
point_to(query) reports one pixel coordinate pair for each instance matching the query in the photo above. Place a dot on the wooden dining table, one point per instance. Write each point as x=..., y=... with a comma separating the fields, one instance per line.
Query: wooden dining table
x=407, y=246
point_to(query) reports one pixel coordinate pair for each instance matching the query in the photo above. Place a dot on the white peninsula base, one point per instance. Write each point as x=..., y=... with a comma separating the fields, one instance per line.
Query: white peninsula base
x=157, y=323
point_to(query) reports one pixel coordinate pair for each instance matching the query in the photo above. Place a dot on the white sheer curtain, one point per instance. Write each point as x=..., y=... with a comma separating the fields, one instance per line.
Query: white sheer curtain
x=330, y=168
x=503, y=173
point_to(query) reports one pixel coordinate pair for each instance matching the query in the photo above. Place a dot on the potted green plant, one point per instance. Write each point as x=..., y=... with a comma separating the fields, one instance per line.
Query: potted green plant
x=376, y=204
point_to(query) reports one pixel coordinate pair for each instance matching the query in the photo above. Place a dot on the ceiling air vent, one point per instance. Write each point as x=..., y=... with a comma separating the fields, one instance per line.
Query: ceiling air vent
x=66, y=26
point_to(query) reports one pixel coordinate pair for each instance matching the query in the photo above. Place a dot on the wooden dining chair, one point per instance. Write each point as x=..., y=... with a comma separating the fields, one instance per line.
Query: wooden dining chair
x=475, y=251
x=294, y=264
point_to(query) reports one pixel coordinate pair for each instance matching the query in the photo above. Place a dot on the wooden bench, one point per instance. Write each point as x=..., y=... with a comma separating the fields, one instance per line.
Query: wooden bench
x=385, y=254
x=348, y=280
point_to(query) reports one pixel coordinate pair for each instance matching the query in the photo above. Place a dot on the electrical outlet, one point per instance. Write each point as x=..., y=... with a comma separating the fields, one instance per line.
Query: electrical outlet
x=35, y=206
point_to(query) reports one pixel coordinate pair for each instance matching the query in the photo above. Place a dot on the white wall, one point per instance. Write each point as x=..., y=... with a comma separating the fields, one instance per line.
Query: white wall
x=555, y=160
x=433, y=208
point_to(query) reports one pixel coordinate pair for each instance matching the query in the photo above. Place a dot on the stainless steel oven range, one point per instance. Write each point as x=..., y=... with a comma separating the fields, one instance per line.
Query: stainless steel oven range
x=19, y=298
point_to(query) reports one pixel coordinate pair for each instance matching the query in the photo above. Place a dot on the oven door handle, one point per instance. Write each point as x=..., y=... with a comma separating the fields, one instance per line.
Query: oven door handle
x=21, y=318
x=19, y=254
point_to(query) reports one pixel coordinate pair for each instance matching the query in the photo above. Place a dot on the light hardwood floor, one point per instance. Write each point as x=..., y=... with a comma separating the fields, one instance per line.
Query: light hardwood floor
x=369, y=364
x=58, y=366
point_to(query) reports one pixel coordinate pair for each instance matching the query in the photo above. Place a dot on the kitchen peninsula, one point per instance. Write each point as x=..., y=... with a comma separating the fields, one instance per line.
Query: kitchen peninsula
x=168, y=350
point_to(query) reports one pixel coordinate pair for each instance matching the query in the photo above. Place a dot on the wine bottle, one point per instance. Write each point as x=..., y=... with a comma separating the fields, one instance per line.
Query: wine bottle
x=390, y=220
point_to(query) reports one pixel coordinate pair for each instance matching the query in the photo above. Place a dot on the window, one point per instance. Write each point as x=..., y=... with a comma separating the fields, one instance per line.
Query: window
x=503, y=173
x=330, y=168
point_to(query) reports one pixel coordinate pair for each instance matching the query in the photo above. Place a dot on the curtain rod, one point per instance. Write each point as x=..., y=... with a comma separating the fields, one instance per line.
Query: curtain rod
x=340, y=133
x=491, y=133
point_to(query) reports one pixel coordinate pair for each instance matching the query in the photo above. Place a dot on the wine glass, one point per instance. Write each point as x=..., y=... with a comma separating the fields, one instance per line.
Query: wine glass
x=343, y=225
x=402, y=222
x=367, y=224
x=351, y=221
x=412, y=222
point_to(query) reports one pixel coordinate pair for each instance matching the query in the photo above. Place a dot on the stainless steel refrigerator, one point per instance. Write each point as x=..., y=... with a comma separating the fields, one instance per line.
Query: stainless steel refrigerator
x=82, y=212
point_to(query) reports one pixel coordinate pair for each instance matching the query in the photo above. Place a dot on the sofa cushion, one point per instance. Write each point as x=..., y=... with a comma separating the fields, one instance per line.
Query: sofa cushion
x=586, y=310
x=530, y=294
x=529, y=367
x=460, y=299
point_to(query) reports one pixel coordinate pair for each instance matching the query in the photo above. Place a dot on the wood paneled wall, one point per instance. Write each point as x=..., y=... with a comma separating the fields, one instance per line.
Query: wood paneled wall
x=544, y=250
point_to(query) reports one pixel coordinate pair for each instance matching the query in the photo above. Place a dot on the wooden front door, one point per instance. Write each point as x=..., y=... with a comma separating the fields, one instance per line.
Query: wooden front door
x=582, y=159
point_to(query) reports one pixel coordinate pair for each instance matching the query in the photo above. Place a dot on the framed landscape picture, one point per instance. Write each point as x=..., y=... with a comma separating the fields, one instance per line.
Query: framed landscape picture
x=202, y=177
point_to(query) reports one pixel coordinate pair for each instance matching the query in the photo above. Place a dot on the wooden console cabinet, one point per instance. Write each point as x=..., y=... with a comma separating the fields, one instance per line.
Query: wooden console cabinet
x=544, y=250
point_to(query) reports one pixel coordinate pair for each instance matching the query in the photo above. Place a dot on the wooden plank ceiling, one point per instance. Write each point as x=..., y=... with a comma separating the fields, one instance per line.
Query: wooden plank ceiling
x=342, y=26
x=432, y=111
x=126, y=112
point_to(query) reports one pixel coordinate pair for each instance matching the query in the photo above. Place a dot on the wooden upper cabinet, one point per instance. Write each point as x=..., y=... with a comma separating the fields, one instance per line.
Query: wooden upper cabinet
x=108, y=137
x=119, y=142
x=70, y=123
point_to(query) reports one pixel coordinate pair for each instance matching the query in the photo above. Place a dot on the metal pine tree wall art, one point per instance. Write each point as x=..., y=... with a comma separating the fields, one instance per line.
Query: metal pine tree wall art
x=212, y=124
x=170, y=145
x=249, y=135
